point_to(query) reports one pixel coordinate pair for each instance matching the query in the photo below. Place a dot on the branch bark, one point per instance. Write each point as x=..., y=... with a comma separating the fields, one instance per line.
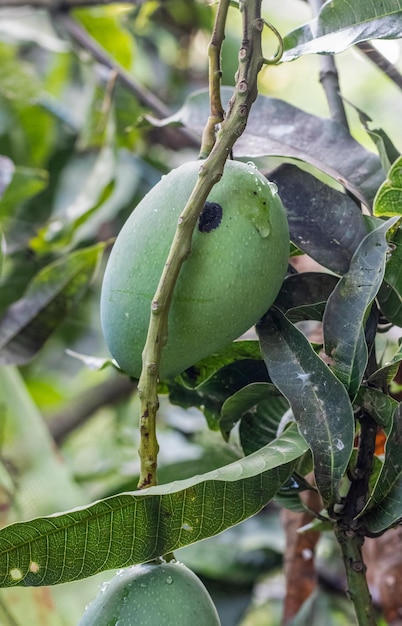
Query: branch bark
x=211, y=170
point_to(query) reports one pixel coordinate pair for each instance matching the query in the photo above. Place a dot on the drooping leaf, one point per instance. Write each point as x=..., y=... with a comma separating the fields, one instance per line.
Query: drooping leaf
x=390, y=293
x=50, y=297
x=276, y=128
x=210, y=395
x=106, y=27
x=247, y=400
x=141, y=525
x=203, y=370
x=341, y=24
x=304, y=296
x=25, y=183
x=323, y=222
x=318, y=400
x=377, y=404
x=384, y=506
x=347, y=307
x=388, y=200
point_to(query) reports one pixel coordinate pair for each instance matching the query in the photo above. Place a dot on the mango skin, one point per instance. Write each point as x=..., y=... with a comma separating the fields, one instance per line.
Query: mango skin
x=230, y=279
x=169, y=594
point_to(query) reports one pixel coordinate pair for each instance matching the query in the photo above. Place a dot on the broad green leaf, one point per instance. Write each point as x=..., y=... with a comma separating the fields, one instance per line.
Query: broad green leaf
x=25, y=183
x=205, y=369
x=347, y=307
x=341, y=24
x=323, y=222
x=104, y=24
x=139, y=526
x=50, y=297
x=390, y=293
x=384, y=506
x=388, y=200
x=377, y=404
x=95, y=189
x=276, y=128
x=304, y=296
x=224, y=381
x=248, y=400
x=319, y=402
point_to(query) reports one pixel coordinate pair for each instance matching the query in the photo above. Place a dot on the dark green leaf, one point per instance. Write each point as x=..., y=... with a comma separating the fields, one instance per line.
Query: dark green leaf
x=318, y=400
x=345, y=314
x=25, y=183
x=384, y=507
x=341, y=24
x=388, y=200
x=51, y=296
x=141, y=525
x=260, y=426
x=248, y=400
x=390, y=293
x=276, y=128
x=205, y=369
x=304, y=296
x=378, y=404
x=211, y=394
x=323, y=222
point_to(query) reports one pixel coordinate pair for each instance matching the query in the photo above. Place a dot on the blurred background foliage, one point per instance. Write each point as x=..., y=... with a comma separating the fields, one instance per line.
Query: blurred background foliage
x=76, y=156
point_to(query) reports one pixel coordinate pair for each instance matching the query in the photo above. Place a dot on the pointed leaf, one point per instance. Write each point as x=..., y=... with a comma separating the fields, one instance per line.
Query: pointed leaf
x=345, y=314
x=142, y=525
x=51, y=296
x=384, y=507
x=304, y=296
x=319, y=402
x=323, y=222
x=388, y=200
x=390, y=293
x=248, y=400
x=341, y=24
x=276, y=128
x=377, y=404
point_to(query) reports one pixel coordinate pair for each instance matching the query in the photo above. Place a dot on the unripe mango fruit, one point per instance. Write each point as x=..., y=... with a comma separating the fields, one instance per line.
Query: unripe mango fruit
x=236, y=267
x=169, y=594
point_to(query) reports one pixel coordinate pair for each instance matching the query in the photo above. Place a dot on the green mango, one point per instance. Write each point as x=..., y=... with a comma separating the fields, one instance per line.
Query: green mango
x=236, y=267
x=168, y=594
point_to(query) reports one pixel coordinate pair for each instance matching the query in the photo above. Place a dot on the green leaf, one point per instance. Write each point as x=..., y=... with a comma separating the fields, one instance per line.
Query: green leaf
x=390, y=293
x=248, y=400
x=318, y=400
x=323, y=222
x=304, y=296
x=142, y=525
x=384, y=506
x=341, y=24
x=104, y=25
x=347, y=307
x=276, y=128
x=378, y=404
x=25, y=183
x=211, y=394
x=388, y=200
x=260, y=425
x=50, y=297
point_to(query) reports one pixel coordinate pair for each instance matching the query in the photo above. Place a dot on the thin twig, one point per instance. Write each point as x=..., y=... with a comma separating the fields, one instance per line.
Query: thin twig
x=84, y=39
x=211, y=170
x=329, y=79
x=381, y=62
x=215, y=75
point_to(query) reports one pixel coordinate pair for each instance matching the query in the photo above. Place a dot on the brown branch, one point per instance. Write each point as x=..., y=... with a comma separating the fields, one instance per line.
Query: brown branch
x=381, y=62
x=85, y=405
